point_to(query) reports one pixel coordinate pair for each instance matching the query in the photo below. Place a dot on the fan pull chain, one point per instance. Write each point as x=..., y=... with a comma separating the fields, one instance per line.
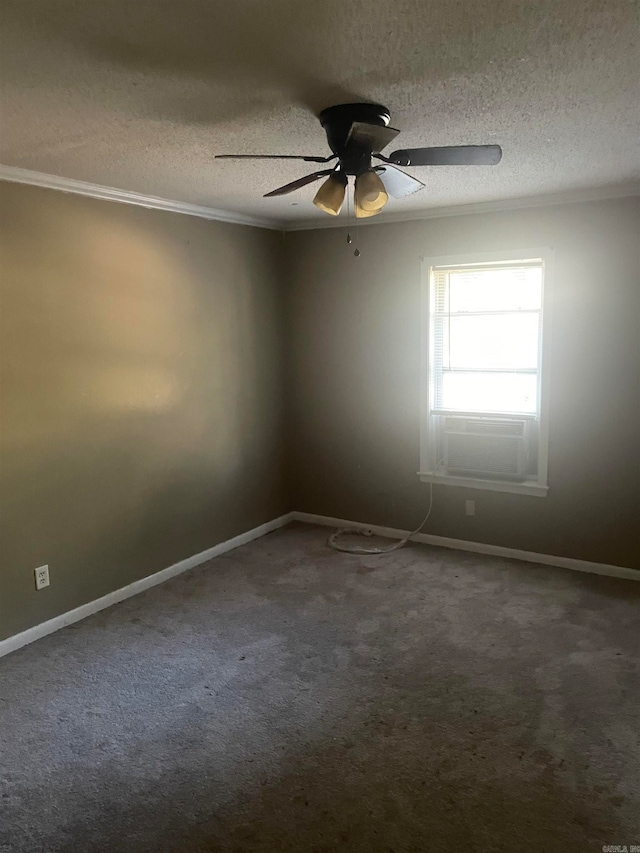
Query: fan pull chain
x=349, y=240
x=357, y=251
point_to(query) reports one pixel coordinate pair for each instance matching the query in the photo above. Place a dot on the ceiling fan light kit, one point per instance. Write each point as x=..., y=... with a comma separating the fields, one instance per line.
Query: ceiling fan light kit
x=357, y=133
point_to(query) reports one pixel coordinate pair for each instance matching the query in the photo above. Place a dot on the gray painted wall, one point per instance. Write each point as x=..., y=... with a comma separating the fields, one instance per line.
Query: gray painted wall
x=354, y=419
x=141, y=409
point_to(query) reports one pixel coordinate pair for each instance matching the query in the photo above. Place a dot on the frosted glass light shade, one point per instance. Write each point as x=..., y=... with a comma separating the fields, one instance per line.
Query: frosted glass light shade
x=330, y=196
x=370, y=194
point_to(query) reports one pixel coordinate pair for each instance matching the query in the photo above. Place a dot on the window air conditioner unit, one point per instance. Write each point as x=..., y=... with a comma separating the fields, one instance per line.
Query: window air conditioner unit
x=490, y=447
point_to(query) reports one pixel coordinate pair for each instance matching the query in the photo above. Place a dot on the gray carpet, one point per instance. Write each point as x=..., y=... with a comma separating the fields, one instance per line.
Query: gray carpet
x=285, y=697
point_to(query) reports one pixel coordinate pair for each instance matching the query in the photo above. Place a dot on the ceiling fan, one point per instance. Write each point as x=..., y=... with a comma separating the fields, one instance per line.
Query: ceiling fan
x=356, y=133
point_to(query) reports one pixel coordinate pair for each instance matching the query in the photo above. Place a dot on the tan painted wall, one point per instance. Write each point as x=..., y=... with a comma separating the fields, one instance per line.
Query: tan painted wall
x=142, y=393
x=354, y=426
x=141, y=406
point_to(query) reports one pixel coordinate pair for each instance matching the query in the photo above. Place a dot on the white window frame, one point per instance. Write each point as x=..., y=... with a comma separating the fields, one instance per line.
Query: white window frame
x=537, y=486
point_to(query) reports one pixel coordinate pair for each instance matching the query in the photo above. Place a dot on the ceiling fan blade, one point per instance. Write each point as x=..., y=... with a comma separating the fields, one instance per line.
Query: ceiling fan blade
x=301, y=182
x=453, y=155
x=372, y=136
x=397, y=183
x=275, y=157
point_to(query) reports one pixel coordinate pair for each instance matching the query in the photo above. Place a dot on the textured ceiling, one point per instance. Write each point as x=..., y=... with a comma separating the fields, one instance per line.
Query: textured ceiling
x=140, y=94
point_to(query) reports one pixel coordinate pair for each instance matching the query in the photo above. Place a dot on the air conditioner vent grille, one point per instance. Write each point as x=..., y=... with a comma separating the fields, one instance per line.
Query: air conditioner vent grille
x=484, y=426
x=483, y=454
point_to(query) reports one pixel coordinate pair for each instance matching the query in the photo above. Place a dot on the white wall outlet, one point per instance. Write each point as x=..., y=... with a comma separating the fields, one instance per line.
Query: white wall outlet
x=470, y=507
x=42, y=577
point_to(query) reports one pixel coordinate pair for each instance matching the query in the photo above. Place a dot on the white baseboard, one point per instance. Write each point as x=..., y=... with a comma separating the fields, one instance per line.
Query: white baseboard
x=11, y=644
x=477, y=547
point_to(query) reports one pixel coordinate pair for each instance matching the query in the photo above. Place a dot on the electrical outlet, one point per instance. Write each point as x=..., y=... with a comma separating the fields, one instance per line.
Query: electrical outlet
x=470, y=507
x=42, y=577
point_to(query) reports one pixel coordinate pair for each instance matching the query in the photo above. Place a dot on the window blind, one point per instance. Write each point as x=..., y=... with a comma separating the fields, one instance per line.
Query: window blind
x=485, y=338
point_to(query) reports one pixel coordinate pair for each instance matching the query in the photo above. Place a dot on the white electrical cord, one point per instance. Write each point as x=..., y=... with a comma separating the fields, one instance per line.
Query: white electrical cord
x=333, y=542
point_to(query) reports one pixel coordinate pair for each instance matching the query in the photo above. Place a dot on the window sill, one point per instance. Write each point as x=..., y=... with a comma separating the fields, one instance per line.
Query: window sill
x=527, y=487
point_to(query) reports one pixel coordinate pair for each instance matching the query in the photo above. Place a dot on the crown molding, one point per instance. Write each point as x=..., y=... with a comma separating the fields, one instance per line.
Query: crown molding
x=68, y=185
x=16, y=175
x=573, y=197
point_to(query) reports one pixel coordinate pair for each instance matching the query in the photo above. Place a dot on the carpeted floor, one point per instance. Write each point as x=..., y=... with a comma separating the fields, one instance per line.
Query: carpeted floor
x=285, y=697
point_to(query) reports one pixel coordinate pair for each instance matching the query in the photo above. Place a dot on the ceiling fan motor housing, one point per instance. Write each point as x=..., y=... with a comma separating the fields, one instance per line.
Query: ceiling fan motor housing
x=337, y=121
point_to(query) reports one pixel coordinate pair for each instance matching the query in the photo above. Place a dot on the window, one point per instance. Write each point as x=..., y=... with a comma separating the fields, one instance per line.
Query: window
x=485, y=389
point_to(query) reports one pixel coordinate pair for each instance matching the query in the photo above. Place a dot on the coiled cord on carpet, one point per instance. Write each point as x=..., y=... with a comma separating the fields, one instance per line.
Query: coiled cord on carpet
x=333, y=540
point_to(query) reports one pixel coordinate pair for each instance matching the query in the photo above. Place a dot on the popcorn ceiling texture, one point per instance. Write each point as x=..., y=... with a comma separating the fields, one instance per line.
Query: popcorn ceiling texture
x=141, y=96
